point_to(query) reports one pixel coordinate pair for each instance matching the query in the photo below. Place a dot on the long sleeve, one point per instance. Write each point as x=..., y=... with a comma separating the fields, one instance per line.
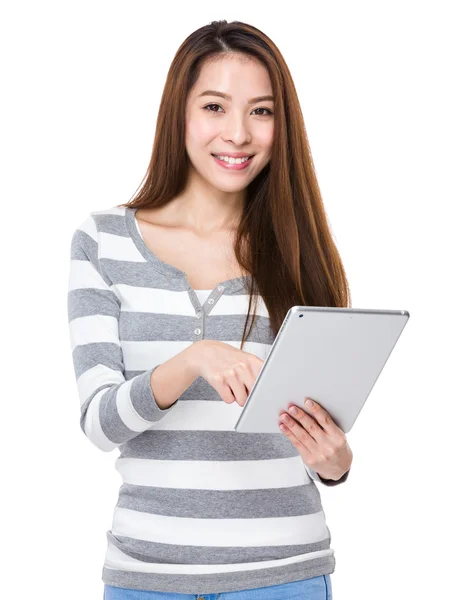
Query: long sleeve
x=329, y=482
x=113, y=409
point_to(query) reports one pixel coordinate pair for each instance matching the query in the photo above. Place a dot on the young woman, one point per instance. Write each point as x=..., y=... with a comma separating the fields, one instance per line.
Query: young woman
x=229, y=221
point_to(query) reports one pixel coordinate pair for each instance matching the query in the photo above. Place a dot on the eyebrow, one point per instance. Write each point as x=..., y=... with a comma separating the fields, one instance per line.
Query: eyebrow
x=228, y=97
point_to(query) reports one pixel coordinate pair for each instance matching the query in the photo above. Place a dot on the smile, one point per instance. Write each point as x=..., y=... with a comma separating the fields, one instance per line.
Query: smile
x=233, y=164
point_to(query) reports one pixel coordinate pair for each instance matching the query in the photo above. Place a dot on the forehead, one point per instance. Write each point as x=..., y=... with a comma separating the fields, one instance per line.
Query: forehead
x=239, y=75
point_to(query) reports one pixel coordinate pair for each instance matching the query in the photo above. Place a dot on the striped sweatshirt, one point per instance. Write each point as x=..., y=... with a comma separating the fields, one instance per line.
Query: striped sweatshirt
x=202, y=508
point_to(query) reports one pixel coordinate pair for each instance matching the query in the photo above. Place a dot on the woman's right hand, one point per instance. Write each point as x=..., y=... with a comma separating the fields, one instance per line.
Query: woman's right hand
x=232, y=372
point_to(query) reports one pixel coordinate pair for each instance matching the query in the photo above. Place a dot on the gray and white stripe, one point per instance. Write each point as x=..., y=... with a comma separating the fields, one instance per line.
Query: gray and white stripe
x=202, y=508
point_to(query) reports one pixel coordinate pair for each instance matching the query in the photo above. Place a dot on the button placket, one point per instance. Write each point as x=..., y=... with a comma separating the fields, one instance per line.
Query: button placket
x=203, y=311
x=212, y=299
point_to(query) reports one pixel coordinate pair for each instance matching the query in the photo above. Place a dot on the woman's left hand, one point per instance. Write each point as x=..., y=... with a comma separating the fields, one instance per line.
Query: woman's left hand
x=320, y=442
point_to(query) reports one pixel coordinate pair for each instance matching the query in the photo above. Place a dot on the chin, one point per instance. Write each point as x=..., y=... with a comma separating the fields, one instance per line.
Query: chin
x=230, y=187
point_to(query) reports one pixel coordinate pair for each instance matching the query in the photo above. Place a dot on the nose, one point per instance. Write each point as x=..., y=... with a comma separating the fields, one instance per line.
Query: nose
x=236, y=130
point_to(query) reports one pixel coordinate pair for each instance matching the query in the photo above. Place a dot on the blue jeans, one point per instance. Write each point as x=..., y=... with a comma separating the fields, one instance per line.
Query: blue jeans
x=314, y=588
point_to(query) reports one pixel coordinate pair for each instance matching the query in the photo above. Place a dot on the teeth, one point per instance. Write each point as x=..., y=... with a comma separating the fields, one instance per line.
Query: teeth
x=232, y=160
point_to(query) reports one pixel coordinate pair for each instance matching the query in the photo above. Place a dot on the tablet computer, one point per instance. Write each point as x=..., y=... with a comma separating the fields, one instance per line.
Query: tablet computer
x=333, y=355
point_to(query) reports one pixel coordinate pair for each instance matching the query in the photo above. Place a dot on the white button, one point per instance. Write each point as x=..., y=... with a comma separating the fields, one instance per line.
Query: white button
x=197, y=331
x=220, y=288
x=198, y=315
x=211, y=301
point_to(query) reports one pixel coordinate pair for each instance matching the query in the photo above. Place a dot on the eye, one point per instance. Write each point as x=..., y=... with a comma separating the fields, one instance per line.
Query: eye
x=269, y=112
x=206, y=107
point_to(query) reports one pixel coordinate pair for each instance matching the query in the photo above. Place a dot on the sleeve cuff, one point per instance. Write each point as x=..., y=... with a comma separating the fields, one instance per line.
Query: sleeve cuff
x=329, y=482
x=143, y=399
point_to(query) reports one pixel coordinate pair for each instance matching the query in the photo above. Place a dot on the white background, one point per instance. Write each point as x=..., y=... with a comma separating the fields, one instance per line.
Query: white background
x=379, y=87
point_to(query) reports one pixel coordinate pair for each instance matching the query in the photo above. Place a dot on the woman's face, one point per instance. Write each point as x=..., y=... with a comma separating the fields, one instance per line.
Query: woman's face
x=239, y=123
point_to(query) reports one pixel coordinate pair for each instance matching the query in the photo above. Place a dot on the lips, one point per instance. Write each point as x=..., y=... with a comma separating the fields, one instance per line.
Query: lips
x=232, y=166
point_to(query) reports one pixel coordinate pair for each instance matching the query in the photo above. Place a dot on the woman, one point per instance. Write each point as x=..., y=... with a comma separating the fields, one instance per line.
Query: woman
x=158, y=291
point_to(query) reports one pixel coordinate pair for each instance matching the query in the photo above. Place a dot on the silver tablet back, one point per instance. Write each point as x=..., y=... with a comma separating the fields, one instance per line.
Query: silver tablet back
x=333, y=355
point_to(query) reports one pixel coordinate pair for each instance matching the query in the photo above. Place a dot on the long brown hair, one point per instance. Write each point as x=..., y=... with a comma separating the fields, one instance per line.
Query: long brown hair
x=283, y=239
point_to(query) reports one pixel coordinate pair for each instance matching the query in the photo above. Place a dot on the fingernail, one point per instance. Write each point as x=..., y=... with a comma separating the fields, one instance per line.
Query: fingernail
x=309, y=402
